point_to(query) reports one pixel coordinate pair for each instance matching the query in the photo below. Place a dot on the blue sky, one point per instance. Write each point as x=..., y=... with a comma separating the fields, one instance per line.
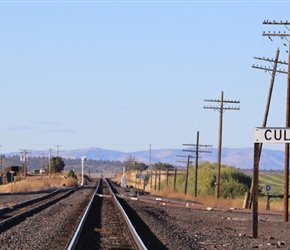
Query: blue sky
x=125, y=74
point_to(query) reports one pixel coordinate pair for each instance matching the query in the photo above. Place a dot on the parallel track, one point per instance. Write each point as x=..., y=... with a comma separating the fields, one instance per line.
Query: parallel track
x=10, y=216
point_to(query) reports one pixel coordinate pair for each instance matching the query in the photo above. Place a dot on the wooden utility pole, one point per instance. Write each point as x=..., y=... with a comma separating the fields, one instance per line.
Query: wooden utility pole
x=274, y=71
x=174, y=185
x=186, y=177
x=159, y=179
x=41, y=167
x=197, y=151
x=57, y=149
x=135, y=174
x=150, y=166
x=187, y=169
x=49, y=164
x=286, y=160
x=155, y=186
x=221, y=109
x=255, y=189
x=24, y=159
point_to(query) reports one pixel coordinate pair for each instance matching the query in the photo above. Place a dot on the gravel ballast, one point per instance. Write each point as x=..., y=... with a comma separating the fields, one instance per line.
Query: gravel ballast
x=50, y=228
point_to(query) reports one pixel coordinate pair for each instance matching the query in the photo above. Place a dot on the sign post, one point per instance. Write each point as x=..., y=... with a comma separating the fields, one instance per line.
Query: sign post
x=268, y=188
x=255, y=190
x=267, y=135
x=140, y=176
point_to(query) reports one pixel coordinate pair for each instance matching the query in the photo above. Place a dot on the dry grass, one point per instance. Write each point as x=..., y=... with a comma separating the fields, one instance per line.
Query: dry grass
x=276, y=205
x=37, y=183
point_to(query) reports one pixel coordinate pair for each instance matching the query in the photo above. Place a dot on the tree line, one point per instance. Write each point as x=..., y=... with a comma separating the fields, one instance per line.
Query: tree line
x=93, y=166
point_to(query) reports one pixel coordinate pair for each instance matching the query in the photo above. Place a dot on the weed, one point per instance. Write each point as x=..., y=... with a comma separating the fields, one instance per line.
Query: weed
x=35, y=184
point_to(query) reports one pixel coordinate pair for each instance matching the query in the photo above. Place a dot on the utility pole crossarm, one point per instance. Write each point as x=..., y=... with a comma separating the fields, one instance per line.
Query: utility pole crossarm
x=205, y=145
x=184, y=161
x=190, y=150
x=231, y=108
x=274, y=34
x=199, y=151
x=270, y=60
x=274, y=22
x=199, y=145
x=275, y=62
x=218, y=100
x=185, y=156
x=269, y=69
x=205, y=151
x=221, y=108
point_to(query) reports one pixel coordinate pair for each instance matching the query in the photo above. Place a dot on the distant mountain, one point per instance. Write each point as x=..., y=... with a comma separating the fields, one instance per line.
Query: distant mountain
x=238, y=157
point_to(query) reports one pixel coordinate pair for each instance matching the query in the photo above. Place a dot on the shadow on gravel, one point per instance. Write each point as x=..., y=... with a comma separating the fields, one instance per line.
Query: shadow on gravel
x=147, y=236
x=90, y=238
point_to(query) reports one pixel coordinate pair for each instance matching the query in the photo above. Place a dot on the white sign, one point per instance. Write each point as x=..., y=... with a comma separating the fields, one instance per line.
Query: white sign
x=140, y=176
x=272, y=135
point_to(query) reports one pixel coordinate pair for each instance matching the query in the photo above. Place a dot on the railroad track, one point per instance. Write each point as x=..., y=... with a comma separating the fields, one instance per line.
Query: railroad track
x=16, y=213
x=105, y=225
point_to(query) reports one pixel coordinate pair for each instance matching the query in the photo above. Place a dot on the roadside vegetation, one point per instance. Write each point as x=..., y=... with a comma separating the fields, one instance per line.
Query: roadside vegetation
x=234, y=184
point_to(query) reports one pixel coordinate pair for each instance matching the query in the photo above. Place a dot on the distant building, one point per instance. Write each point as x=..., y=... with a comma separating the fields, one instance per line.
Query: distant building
x=6, y=166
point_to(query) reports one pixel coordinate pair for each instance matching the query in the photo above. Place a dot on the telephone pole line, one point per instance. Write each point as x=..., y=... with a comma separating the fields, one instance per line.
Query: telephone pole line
x=24, y=159
x=221, y=108
x=197, y=151
x=286, y=160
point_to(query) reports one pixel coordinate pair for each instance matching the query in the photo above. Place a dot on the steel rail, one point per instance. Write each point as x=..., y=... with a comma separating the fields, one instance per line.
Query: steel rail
x=74, y=240
x=137, y=240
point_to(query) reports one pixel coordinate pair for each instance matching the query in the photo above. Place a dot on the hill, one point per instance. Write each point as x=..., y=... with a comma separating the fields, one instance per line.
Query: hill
x=239, y=157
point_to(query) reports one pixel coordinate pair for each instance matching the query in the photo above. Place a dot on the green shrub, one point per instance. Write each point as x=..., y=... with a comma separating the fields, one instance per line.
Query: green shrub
x=71, y=173
x=233, y=182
